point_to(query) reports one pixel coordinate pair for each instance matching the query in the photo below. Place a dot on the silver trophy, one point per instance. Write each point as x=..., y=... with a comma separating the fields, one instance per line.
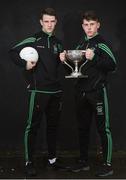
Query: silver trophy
x=75, y=56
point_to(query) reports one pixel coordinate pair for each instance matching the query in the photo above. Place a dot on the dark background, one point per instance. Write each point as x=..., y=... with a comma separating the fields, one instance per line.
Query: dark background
x=20, y=19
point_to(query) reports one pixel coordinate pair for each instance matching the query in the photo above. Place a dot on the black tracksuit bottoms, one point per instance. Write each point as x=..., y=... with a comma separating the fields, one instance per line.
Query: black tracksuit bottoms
x=50, y=104
x=89, y=104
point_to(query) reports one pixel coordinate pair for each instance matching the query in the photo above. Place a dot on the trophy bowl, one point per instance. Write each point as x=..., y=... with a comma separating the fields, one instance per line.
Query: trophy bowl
x=74, y=55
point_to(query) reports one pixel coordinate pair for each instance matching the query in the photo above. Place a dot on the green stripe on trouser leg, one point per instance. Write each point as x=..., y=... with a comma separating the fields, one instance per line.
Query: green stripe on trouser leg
x=108, y=133
x=31, y=107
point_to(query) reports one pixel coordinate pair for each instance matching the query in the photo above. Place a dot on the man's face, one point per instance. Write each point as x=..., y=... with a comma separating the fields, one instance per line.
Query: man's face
x=90, y=27
x=48, y=23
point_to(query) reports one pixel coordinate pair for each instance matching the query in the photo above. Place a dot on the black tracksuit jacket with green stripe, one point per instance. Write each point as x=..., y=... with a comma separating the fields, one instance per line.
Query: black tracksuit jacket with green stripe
x=44, y=76
x=98, y=68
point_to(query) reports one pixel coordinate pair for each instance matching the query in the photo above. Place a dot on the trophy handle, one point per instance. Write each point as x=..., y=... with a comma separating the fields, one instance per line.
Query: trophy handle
x=82, y=65
x=68, y=65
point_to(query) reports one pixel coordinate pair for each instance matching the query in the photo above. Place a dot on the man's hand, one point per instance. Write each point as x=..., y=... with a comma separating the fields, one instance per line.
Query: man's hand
x=30, y=65
x=63, y=56
x=89, y=54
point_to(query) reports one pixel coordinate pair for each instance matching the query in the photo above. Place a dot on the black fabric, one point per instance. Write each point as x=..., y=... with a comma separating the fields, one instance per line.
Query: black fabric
x=96, y=69
x=45, y=75
x=89, y=105
x=50, y=104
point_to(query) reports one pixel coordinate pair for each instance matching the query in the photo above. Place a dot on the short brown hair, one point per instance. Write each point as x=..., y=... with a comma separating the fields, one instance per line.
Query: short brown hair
x=90, y=15
x=48, y=11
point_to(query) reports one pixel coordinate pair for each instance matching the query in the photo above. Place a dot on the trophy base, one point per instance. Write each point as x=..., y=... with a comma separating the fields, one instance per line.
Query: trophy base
x=76, y=75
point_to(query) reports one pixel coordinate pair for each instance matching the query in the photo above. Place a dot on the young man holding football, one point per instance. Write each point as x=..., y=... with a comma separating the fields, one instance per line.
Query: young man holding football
x=43, y=86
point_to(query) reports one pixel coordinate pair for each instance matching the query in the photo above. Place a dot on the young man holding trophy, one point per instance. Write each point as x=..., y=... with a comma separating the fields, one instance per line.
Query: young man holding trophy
x=91, y=94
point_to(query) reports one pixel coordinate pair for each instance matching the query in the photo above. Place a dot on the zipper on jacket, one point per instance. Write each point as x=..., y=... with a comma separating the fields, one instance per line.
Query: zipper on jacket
x=48, y=41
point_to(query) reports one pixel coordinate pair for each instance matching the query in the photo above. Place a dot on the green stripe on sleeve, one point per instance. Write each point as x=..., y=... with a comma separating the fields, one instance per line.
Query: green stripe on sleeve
x=28, y=40
x=107, y=50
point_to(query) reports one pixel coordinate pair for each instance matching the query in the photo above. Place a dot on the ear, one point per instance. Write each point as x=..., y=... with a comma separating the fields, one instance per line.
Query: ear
x=99, y=25
x=55, y=21
x=41, y=22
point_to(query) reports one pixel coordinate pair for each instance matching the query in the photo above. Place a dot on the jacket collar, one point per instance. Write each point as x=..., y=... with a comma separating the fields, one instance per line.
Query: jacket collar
x=87, y=38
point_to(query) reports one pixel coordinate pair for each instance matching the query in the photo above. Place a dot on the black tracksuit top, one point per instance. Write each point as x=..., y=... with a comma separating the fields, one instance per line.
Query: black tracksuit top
x=97, y=69
x=44, y=76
